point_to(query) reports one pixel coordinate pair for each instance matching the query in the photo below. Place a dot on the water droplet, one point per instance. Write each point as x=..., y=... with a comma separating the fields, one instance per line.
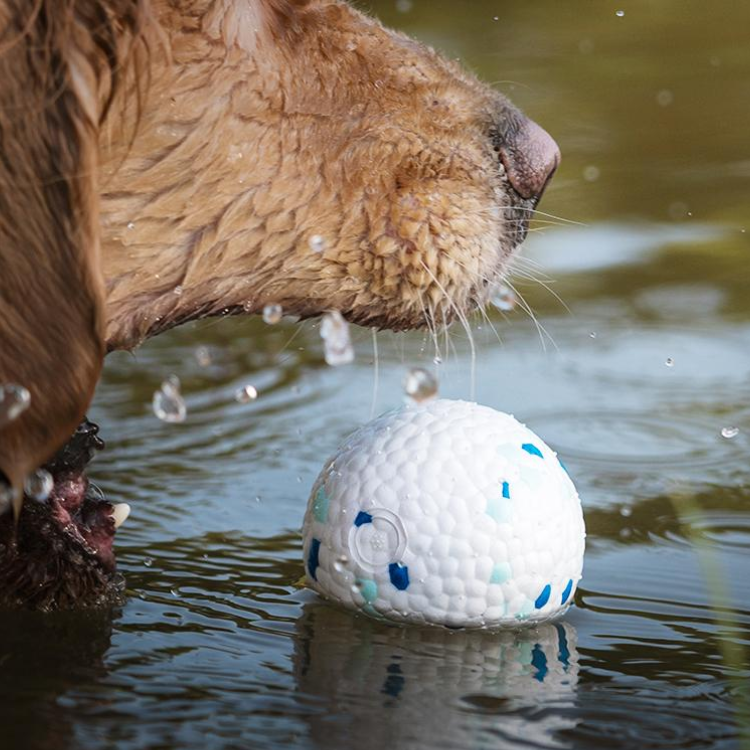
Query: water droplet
x=14, y=400
x=131, y=225
x=619, y=13
x=438, y=360
x=337, y=343
x=246, y=394
x=174, y=592
x=257, y=498
x=39, y=484
x=626, y=511
x=495, y=18
x=591, y=173
x=664, y=98
x=592, y=335
x=420, y=385
x=148, y=562
x=730, y=432
x=203, y=356
x=669, y=362
x=678, y=210
x=272, y=314
x=504, y=298
x=168, y=403
x=177, y=290
x=317, y=243
x=357, y=586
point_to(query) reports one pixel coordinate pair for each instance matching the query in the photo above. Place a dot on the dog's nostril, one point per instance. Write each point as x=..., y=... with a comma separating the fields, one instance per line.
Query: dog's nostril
x=530, y=157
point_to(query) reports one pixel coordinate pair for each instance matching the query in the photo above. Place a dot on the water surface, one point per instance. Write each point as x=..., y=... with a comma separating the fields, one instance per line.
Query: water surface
x=218, y=647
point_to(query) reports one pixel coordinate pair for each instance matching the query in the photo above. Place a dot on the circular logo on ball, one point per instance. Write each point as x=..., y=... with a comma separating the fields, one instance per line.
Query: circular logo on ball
x=377, y=538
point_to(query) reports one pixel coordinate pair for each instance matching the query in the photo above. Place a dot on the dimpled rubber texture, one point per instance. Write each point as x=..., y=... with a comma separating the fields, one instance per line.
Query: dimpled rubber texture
x=446, y=513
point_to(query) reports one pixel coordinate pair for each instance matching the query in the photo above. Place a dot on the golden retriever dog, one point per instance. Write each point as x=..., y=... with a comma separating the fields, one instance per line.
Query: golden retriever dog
x=167, y=160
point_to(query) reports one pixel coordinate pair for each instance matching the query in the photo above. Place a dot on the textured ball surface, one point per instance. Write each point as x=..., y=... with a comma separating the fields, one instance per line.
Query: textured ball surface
x=447, y=513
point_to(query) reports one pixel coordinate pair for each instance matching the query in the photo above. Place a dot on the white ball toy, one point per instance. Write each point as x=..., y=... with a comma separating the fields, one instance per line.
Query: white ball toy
x=446, y=513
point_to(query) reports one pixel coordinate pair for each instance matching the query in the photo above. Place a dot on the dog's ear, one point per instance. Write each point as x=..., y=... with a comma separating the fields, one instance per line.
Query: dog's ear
x=59, y=60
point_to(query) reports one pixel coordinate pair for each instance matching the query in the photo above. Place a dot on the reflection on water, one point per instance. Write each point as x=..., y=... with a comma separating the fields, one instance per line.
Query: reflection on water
x=217, y=647
x=429, y=681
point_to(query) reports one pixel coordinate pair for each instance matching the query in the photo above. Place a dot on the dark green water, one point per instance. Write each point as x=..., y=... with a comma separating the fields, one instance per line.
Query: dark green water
x=217, y=648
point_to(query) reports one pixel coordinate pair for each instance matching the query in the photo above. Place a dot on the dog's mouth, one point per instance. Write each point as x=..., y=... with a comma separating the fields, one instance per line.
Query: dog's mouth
x=86, y=518
x=79, y=508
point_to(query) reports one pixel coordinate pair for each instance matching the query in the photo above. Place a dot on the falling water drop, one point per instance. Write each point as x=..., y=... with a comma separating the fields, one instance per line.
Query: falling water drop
x=317, y=243
x=591, y=173
x=272, y=314
x=246, y=394
x=730, y=432
x=39, y=484
x=420, y=384
x=337, y=343
x=619, y=13
x=669, y=362
x=14, y=400
x=168, y=403
x=203, y=356
x=504, y=298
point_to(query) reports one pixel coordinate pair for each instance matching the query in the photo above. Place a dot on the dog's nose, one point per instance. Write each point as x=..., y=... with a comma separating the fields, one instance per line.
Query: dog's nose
x=530, y=157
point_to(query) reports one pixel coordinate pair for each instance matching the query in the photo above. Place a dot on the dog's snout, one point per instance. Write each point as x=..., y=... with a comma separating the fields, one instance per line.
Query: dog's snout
x=530, y=157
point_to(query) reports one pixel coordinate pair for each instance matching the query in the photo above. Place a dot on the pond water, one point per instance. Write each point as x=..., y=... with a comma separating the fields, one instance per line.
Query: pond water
x=638, y=359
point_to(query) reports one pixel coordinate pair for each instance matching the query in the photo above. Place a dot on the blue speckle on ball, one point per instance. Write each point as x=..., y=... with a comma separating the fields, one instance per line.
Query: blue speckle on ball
x=313, y=559
x=543, y=598
x=362, y=518
x=532, y=449
x=566, y=593
x=399, y=575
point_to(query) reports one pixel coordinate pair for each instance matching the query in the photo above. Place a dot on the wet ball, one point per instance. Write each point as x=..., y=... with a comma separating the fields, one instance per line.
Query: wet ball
x=446, y=513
